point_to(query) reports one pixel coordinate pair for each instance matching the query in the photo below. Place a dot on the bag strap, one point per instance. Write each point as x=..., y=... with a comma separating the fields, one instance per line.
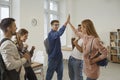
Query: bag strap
x=91, y=48
x=3, y=40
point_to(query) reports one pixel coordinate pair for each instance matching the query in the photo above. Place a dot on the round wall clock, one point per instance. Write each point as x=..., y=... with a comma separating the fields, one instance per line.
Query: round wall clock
x=34, y=22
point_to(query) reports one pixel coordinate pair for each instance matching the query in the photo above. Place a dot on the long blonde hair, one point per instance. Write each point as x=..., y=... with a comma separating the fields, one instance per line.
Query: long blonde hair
x=90, y=29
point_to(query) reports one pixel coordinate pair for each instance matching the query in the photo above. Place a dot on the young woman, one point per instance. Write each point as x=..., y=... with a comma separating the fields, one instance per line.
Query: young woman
x=21, y=37
x=90, y=36
x=75, y=63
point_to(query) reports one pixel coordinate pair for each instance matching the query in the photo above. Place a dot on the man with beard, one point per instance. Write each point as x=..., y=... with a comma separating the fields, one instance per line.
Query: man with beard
x=9, y=50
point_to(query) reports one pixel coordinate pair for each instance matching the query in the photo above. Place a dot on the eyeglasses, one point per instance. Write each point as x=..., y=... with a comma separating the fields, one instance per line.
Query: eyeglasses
x=56, y=25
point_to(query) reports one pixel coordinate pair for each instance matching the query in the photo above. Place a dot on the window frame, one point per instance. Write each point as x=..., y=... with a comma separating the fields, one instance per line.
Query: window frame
x=8, y=4
x=47, y=12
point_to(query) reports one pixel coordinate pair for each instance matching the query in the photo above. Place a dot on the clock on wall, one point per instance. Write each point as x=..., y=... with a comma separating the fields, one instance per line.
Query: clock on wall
x=34, y=22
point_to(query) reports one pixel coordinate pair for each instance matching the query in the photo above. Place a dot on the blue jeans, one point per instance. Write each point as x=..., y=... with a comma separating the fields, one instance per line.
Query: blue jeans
x=75, y=67
x=54, y=65
x=90, y=79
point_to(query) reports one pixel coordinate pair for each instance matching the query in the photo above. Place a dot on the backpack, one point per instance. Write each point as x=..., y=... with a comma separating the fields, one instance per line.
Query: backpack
x=46, y=44
x=4, y=73
x=103, y=62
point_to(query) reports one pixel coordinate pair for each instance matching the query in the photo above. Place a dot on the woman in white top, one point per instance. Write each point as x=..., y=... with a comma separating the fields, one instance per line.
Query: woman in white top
x=75, y=63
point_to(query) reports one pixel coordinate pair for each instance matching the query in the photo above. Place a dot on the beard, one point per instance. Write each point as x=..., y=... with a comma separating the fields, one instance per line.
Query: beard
x=13, y=33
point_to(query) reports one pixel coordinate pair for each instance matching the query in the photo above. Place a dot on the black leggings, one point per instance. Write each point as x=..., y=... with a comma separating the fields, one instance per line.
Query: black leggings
x=29, y=74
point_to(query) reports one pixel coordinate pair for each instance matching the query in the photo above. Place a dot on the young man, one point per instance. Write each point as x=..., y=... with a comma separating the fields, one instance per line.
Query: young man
x=55, y=62
x=9, y=50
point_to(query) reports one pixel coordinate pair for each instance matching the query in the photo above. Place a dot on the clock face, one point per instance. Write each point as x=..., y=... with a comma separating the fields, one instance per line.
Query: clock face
x=34, y=22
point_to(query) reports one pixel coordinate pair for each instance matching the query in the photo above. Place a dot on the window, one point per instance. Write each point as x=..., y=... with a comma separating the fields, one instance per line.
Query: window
x=51, y=13
x=6, y=0
x=4, y=10
x=53, y=6
x=53, y=16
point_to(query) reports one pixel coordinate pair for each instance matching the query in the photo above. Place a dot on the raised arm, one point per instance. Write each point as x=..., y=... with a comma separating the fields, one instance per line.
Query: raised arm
x=77, y=45
x=79, y=34
x=67, y=21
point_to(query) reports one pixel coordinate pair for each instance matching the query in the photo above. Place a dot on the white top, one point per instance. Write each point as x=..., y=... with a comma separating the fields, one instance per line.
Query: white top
x=76, y=53
x=11, y=57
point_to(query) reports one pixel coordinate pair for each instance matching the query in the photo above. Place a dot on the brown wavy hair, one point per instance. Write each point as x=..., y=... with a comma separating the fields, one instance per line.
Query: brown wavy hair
x=90, y=29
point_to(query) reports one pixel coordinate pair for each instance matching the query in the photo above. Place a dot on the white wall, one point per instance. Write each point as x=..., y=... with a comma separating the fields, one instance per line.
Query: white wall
x=62, y=19
x=105, y=15
x=24, y=11
x=16, y=11
x=33, y=9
